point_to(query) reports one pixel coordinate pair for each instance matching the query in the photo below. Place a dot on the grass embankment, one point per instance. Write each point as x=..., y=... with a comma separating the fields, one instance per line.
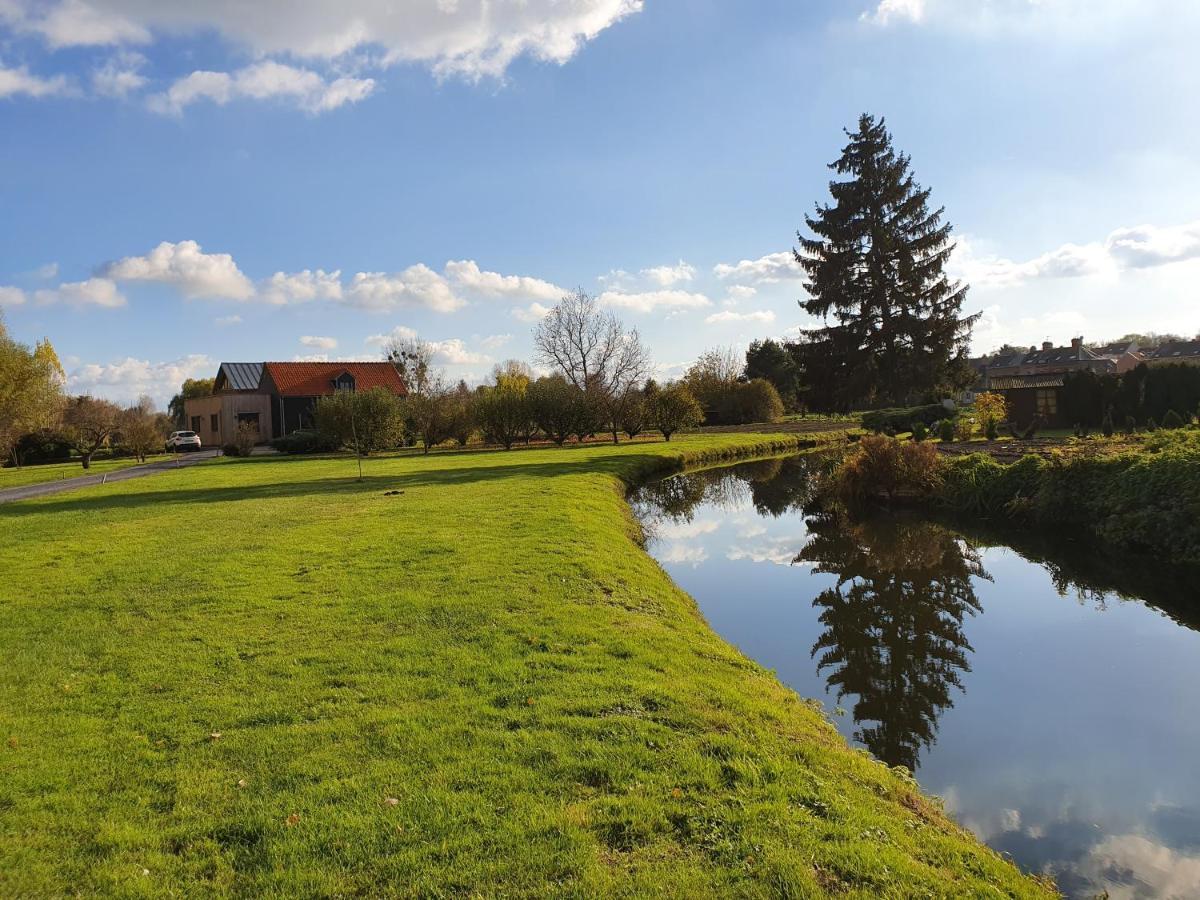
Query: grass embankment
x=1143, y=498
x=43, y=472
x=260, y=677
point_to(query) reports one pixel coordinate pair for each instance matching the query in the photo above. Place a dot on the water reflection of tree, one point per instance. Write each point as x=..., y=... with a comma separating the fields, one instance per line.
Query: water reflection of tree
x=894, y=633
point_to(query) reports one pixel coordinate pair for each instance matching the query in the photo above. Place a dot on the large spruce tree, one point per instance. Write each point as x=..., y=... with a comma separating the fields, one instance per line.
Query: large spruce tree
x=894, y=327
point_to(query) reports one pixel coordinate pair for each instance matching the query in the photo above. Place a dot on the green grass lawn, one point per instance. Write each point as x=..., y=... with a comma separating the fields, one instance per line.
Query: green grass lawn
x=260, y=677
x=14, y=477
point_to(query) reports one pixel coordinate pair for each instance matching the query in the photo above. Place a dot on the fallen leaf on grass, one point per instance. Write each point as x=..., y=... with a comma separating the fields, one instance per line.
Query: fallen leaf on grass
x=293, y=819
x=242, y=782
x=391, y=801
x=215, y=736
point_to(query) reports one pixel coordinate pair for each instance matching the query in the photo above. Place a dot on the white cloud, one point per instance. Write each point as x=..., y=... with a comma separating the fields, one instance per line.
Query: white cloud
x=46, y=272
x=125, y=380
x=11, y=296
x=186, y=266
x=1139, y=247
x=889, y=11
x=668, y=276
x=73, y=23
x=453, y=352
x=300, y=287
x=119, y=76
x=94, y=291
x=738, y=293
x=495, y=341
x=19, y=81
x=532, y=313
x=765, y=270
x=228, y=320
x=680, y=531
x=762, y=316
x=467, y=274
x=417, y=286
x=472, y=38
x=684, y=554
x=319, y=343
x=648, y=301
x=264, y=80
x=399, y=333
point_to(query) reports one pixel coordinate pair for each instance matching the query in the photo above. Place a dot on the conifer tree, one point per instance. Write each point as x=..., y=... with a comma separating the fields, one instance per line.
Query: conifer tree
x=876, y=276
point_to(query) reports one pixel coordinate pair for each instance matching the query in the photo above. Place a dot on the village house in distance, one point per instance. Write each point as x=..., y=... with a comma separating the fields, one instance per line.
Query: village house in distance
x=1032, y=381
x=278, y=397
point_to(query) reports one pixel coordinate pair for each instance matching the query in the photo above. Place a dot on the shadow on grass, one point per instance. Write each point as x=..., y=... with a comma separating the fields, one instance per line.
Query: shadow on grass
x=625, y=465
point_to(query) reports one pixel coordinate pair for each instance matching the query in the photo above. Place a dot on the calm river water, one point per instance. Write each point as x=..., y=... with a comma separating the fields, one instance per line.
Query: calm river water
x=1046, y=692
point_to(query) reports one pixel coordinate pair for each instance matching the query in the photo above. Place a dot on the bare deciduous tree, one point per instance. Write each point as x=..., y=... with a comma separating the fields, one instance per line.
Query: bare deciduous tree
x=88, y=423
x=139, y=429
x=413, y=359
x=593, y=351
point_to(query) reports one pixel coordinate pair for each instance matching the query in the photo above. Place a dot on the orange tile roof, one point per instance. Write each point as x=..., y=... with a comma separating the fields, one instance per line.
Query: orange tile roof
x=315, y=379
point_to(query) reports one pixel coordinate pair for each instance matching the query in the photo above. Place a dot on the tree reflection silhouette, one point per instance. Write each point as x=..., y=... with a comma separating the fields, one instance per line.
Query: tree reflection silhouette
x=893, y=622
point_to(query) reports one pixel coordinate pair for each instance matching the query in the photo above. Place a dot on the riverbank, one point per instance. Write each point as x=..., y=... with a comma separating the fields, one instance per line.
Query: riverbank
x=264, y=677
x=1144, y=499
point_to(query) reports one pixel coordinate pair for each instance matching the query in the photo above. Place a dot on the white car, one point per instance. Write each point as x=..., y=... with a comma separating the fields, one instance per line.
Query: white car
x=183, y=440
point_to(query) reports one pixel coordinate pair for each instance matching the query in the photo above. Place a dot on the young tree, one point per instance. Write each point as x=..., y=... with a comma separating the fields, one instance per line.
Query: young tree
x=503, y=409
x=770, y=360
x=432, y=413
x=138, y=429
x=675, y=407
x=89, y=424
x=30, y=391
x=593, y=351
x=634, y=411
x=991, y=409
x=364, y=421
x=877, y=265
x=462, y=413
x=554, y=406
x=191, y=389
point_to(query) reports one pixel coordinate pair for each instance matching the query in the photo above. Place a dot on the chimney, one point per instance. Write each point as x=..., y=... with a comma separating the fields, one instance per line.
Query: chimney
x=1076, y=343
x=1047, y=345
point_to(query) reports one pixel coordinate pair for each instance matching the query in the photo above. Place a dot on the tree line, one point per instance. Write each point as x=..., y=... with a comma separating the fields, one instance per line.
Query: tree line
x=39, y=421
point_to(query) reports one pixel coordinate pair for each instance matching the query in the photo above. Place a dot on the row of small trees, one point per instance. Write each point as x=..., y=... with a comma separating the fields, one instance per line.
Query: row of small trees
x=39, y=420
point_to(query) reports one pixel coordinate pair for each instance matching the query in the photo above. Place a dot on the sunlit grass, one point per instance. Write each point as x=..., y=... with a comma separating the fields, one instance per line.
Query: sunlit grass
x=38, y=474
x=261, y=677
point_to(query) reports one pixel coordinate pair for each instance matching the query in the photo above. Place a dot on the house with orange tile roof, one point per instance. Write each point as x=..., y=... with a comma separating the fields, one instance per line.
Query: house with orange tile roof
x=278, y=398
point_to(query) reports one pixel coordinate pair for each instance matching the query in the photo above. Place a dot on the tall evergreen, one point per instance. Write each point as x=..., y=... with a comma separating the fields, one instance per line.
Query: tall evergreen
x=876, y=276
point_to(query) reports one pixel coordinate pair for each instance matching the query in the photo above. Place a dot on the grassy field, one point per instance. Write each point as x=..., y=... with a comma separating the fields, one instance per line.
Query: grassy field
x=260, y=677
x=14, y=477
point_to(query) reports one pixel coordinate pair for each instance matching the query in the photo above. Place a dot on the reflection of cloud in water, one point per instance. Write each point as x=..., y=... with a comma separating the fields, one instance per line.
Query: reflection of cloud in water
x=684, y=554
x=778, y=550
x=1132, y=867
x=678, y=531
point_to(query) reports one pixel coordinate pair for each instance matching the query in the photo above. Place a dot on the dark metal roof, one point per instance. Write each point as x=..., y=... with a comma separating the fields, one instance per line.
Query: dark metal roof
x=241, y=376
x=1016, y=382
x=1175, y=350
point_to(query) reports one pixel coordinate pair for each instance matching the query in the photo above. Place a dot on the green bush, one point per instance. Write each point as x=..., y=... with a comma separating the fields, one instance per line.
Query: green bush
x=992, y=430
x=946, y=430
x=1172, y=420
x=919, y=431
x=1151, y=425
x=902, y=418
x=305, y=442
x=1141, y=500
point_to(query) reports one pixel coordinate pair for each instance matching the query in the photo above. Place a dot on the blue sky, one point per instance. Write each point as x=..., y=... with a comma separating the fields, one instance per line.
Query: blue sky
x=187, y=183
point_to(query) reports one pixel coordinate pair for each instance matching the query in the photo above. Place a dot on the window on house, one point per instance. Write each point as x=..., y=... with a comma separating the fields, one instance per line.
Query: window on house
x=344, y=382
x=196, y=423
x=1047, y=402
x=252, y=418
x=214, y=422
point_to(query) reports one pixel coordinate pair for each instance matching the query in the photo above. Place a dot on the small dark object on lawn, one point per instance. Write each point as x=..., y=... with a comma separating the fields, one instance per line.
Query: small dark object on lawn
x=393, y=493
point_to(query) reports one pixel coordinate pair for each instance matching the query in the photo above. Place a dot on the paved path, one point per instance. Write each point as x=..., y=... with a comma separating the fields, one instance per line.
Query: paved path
x=46, y=488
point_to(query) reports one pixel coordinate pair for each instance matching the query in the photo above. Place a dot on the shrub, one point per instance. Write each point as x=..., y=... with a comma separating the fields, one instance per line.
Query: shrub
x=991, y=409
x=902, y=418
x=946, y=430
x=883, y=467
x=40, y=447
x=919, y=431
x=1106, y=424
x=1130, y=424
x=964, y=428
x=1151, y=425
x=364, y=421
x=756, y=400
x=674, y=407
x=304, y=442
x=992, y=429
x=1172, y=420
